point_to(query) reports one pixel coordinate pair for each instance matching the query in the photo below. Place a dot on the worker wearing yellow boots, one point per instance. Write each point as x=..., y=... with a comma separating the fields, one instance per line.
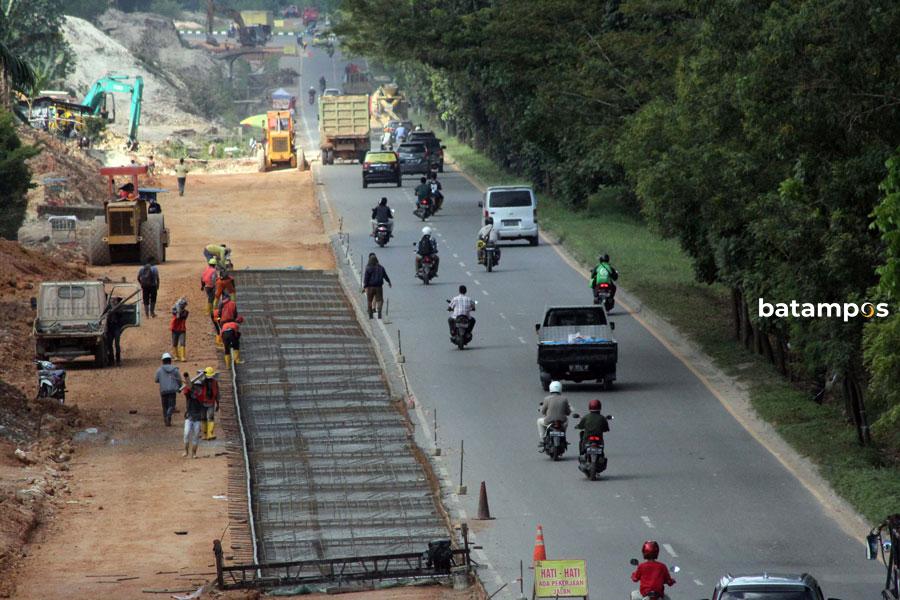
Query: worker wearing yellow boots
x=178, y=327
x=210, y=401
x=231, y=339
x=208, y=283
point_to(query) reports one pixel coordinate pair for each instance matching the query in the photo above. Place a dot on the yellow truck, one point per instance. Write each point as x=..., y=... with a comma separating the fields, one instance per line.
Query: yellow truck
x=280, y=148
x=344, y=128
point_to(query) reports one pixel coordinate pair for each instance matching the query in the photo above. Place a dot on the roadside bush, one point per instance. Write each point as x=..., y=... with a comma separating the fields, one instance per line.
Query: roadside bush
x=15, y=177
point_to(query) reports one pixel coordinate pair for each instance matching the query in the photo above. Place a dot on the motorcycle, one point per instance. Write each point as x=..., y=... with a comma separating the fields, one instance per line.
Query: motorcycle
x=652, y=595
x=460, y=335
x=437, y=198
x=51, y=381
x=491, y=256
x=593, y=460
x=426, y=269
x=555, y=442
x=423, y=208
x=603, y=294
x=382, y=234
x=312, y=96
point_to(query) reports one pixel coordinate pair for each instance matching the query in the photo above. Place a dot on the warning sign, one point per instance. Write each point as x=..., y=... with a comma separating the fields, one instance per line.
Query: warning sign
x=560, y=579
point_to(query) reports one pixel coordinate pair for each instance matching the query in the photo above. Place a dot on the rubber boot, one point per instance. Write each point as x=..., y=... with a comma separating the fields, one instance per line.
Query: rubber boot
x=203, y=425
x=219, y=343
x=227, y=361
x=181, y=353
x=237, y=357
x=208, y=308
x=211, y=431
x=175, y=355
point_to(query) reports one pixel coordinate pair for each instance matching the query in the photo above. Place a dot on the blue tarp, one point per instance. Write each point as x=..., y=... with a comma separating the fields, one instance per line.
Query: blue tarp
x=281, y=94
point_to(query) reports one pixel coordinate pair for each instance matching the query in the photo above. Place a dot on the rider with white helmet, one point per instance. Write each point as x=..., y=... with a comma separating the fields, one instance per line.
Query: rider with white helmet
x=427, y=246
x=554, y=407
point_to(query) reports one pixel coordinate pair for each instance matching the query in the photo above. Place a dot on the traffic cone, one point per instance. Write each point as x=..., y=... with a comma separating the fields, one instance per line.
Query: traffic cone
x=540, y=553
x=484, y=511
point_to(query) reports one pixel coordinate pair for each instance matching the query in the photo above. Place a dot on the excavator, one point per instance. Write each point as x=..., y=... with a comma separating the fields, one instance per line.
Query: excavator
x=256, y=35
x=96, y=100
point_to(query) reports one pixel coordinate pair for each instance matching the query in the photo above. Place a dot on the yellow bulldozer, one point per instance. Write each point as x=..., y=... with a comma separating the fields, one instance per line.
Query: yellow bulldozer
x=279, y=147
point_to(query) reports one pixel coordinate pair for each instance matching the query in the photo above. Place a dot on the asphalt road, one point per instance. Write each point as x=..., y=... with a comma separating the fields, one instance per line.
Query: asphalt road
x=681, y=469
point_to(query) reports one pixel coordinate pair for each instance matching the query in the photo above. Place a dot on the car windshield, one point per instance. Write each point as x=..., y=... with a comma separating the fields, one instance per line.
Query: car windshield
x=574, y=317
x=412, y=148
x=381, y=157
x=509, y=198
x=767, y=594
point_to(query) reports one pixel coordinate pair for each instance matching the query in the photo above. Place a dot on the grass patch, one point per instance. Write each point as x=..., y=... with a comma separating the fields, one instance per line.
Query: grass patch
x=657, y=272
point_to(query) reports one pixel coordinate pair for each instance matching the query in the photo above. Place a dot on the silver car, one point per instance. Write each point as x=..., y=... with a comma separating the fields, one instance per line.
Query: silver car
x=768, y=586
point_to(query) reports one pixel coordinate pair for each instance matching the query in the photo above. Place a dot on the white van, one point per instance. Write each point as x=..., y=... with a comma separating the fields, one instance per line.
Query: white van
x=514, y=210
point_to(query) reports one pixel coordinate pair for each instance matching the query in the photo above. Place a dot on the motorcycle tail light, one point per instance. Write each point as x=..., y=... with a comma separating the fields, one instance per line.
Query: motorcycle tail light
x=603, y=285
x=591, y=438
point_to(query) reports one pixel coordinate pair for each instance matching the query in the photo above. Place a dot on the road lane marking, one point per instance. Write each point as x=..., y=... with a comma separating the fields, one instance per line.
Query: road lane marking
x=469, y=273
x=521, y=339
x=476, y=282
x=502, y=316
x=455, y=255
x=647, y=522
x=462, y=264
x=485, y=292
x=698, y=582
x=670, y=550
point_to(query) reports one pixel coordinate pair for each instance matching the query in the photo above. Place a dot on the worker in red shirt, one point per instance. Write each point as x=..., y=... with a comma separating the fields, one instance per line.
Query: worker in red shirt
x=210, y=402
x=231, y=339
x=226, y=311
x=208, y=283
x=652, y=575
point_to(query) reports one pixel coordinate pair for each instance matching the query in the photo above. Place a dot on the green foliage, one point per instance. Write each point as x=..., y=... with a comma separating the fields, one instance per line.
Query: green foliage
x=213, y=97
x=86, y=9
x=32, y=30
x=166, y=8
x=15, y=177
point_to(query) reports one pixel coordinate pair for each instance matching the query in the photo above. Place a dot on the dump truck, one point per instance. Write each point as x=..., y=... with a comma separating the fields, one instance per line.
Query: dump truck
x=575, y=343
x=388, y=104
x=72, y=316
x=280, y=148
x=127, y=232
x=344, y=128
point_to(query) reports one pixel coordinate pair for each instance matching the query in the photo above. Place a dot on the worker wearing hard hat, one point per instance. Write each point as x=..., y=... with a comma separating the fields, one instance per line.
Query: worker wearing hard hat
x=210, y=401
x=208, y=283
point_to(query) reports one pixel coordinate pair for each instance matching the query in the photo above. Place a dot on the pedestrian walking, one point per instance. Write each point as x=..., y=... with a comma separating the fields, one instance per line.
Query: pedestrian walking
x=231, y=340
x=115, y=324
x=208, y=283
x=148, y=277
x=169, y=380
x=181, y=172
x=178, y=327
x=193, y=414
x=151, y=167
x=373, y=283
x=210, y=401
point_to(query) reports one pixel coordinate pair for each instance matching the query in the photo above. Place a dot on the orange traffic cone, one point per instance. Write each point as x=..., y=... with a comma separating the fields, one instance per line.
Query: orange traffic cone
x=540, y=553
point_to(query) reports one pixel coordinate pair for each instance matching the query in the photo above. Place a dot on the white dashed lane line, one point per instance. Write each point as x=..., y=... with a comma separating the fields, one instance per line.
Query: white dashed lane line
x=670, y=550
x=462, y=264
x=455, y=255
x=521, y=339
x=698, y=582
x=469, y=273
x=647, y=522
x=476, y=282
x=485, y=292
x=502, y=316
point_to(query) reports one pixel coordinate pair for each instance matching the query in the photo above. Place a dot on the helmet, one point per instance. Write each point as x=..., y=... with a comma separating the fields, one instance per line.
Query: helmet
x=650, y=550
x=213, y=261
x=426, y=231
x=604, y=258
x=166, y=356
x=209, y=371
x=555, y=387
x=594, y=405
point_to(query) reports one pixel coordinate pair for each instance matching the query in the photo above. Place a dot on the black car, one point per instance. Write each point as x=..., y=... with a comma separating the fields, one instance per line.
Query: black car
x=433, y=143
x=381, y=167
x=413, y=157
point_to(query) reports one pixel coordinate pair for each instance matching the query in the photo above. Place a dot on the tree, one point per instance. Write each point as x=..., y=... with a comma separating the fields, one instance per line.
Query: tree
x=15, y=177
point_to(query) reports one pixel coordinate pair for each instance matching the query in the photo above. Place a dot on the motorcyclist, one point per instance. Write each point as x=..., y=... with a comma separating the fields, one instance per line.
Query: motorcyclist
x=652, y=575
x=383, y=214
x=604, y=273
x=322, y=84
x=554, y=407
x=487, y=235
x=592, y=423
x=461, y=305
x=312, y=94
x=427, y=247
x=436, y=189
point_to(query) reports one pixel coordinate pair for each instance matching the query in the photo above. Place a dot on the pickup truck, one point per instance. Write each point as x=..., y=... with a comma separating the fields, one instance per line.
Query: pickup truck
x=72, y=317
x=575, y=343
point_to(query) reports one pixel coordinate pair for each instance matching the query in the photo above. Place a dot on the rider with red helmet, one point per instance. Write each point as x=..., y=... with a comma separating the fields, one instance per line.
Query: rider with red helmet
x=652, y=575
x=592, y=423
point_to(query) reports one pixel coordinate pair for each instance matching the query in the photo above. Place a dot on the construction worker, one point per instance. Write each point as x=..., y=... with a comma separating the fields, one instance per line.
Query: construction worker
x=178, y=327
x=193, y=413
x=148, y=277
x=231, y=340
x=210, y=401
x=226, y=311
x=220, y=252
x=181, y=171
x=208, y=283
x=224, y=284
x=169, y=383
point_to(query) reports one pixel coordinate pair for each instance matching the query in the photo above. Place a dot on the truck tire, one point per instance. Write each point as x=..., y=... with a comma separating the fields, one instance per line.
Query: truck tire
x=98, y=250
x=152, y=239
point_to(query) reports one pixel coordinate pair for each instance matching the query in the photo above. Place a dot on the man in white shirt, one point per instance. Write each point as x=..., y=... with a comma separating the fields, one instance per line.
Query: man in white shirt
x=487, y=235
x=461, y=305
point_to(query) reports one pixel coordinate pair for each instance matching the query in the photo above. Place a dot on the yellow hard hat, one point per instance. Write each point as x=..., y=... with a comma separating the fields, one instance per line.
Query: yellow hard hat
x=209, y=371
x=213, y=261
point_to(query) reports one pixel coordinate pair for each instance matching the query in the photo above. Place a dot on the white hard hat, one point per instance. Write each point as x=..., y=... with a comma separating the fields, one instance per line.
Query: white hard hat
x=426, y=231
x=555, y=387
x=166, y=355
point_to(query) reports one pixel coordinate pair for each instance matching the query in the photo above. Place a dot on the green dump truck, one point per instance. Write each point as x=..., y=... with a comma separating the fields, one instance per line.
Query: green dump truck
x=344, y=128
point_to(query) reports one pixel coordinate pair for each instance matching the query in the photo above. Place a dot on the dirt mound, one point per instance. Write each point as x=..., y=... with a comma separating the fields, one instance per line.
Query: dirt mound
x=97, y=54
x=21, y=272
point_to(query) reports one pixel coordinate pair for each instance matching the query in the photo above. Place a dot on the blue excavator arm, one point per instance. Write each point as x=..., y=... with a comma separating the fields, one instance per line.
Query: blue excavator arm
x=123, y=84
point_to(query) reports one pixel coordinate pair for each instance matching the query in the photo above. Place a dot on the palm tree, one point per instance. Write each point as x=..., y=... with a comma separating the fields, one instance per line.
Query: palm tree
x=16, y=74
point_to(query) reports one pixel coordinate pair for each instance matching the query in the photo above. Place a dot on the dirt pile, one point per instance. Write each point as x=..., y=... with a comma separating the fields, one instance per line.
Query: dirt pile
x=21, y=272
x=164, y=105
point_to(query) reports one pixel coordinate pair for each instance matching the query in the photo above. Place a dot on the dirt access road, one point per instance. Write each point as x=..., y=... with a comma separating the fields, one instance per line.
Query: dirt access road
x=131, y=489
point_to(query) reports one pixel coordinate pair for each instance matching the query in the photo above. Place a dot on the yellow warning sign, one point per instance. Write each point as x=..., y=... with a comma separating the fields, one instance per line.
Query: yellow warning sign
x=560, y=579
